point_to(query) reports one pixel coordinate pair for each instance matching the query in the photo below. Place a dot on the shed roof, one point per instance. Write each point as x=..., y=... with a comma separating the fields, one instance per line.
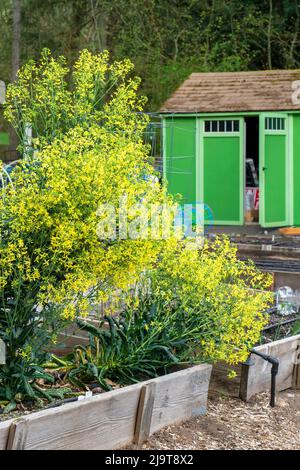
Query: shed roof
x=270, y=90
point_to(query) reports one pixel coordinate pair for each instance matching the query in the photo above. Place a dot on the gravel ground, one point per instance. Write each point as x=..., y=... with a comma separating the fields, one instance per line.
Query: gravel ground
x=233, y=424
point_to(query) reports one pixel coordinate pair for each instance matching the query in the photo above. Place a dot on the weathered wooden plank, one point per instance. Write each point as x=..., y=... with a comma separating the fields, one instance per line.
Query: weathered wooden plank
x=4, y=432
x=180, y=396
x=66, y=343
x=257, y=377
x=296, y=371
x=73, y=336
x=103, y=422
x=144, y=414
x=2, y=92
x=17, y=435
x=220, y=383
x=108, y=421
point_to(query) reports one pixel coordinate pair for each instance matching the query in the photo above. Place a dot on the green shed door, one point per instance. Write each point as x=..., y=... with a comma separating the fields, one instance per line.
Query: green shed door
x=273, y=208
x=180, y=157
x=221, y=170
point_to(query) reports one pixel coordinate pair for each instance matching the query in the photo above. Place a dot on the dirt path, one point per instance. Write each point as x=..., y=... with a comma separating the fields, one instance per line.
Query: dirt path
x=233, y=424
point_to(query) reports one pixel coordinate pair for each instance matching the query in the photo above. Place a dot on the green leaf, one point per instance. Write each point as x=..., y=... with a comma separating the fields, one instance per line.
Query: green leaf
x=169, y=354
x=10, y=407
x=74, y=379
x=296, y=328
x=92, y=329
x=43, y=375
x=28, y=389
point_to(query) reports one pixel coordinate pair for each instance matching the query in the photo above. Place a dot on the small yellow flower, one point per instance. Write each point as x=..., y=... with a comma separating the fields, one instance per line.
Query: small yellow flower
x=231, y=374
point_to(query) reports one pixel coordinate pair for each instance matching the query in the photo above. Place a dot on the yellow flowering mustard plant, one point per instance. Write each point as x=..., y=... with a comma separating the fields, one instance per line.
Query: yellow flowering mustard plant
x=87, y=150
x=227, y=295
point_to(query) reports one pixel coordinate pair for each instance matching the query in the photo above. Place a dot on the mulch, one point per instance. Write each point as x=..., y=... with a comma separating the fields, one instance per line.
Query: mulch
x=232, y=424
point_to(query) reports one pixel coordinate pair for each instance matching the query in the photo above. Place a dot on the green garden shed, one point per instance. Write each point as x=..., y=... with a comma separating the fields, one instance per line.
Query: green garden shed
x=225, y=134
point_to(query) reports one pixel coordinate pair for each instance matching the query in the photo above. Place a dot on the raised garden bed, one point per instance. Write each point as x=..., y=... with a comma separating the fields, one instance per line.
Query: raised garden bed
x=113, y=419
x=279, y=326
x=255, y=378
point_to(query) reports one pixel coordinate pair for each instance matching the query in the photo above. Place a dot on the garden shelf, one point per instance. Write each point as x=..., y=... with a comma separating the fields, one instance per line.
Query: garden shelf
x=113, y=419
x=255, y=378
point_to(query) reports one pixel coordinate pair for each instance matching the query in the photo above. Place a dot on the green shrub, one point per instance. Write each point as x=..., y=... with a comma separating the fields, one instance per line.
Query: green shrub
x=144, y=341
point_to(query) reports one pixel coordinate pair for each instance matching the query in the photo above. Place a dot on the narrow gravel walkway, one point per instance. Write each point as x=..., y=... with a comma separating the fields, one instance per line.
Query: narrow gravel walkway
x=233, y=424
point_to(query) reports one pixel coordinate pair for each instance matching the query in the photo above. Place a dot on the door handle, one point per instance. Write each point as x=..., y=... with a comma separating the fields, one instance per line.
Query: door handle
x=264, y=168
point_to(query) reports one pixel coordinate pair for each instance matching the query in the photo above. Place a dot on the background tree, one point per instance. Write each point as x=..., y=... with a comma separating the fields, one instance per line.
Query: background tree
x=16, y=38
x=166, y=40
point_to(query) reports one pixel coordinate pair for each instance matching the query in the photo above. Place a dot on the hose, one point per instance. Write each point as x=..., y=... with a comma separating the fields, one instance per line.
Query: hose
x=274, y=371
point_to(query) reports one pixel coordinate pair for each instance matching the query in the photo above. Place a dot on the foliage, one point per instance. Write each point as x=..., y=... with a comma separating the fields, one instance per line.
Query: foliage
x=47, y=100
x=296, y=327
x=166, y=40
x=192, y=307
x=142, y=342
x=228, y=296
x=87, y=150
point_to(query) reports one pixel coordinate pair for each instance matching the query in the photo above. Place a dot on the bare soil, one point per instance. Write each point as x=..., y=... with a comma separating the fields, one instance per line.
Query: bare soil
x=232, y=424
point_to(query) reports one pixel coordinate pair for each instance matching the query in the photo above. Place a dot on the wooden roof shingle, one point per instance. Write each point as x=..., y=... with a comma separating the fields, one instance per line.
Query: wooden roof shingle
x=270, y=90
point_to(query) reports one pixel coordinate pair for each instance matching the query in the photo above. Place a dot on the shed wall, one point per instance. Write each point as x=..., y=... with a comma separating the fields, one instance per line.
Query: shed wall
x=180, y=160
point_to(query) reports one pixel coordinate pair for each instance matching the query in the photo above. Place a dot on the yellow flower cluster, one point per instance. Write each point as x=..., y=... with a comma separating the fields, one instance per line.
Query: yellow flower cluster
x=49, y=245
x=229, y=296
x=43, y=98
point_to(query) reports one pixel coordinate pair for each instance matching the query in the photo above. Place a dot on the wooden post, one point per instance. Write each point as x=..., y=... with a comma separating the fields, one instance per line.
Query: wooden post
x=17, y=435
x=2, y=92
x=243, y=392
x=144, y=414
x=296, y=370
x=2, y=352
